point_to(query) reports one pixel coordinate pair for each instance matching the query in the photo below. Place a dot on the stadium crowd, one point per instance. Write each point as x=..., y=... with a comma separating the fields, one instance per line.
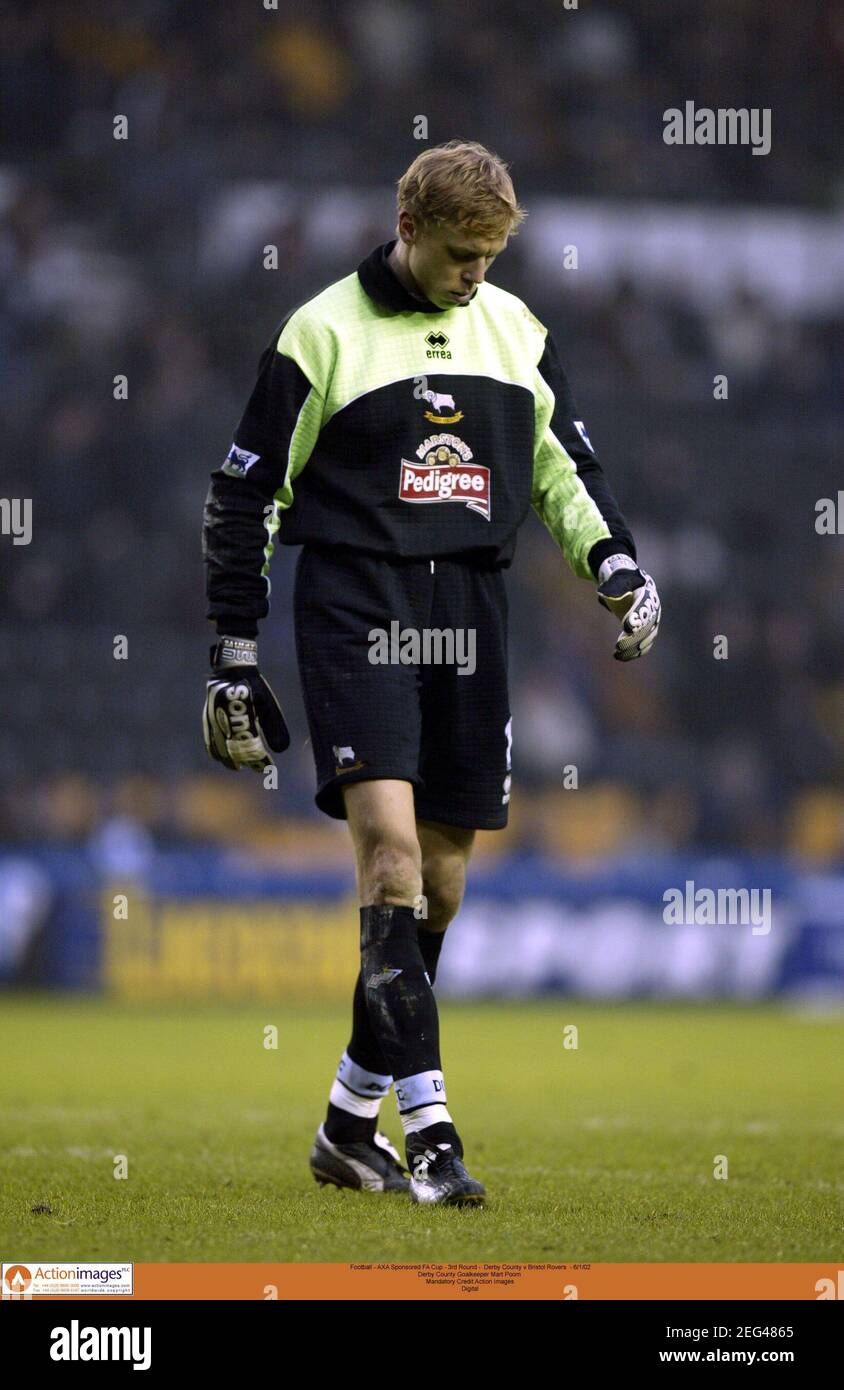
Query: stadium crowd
x=109, y=267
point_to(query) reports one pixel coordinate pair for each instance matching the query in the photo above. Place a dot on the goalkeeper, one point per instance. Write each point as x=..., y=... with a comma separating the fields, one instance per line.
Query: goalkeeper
x=403, y=422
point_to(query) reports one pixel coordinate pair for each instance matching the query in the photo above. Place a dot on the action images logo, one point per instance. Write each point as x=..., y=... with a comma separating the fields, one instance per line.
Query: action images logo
x=445, y=474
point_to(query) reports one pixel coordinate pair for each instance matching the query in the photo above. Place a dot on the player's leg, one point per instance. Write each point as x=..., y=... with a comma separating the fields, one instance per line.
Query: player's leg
x=364, y=723
x=445, y=855
x=398, y=991
x=388, y=866
x=465, y=746
x=363, y=1077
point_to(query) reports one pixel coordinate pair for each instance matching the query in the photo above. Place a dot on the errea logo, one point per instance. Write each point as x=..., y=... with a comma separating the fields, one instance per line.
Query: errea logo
x=437, y=343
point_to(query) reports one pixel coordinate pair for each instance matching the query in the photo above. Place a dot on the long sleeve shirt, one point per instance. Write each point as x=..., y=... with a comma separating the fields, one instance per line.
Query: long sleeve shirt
x=383, y=423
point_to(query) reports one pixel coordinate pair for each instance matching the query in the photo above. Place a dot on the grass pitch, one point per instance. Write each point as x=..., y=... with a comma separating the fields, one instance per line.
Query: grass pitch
x=603, y=1153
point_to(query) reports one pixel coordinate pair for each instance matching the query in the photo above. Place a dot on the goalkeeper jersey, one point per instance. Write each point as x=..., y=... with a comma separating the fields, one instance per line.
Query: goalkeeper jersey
x=383, y=423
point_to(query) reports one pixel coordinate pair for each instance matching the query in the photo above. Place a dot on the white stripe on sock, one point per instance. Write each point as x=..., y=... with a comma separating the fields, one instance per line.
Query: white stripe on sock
x=345, y=1099
x=366, y=1083
x=424, y=1116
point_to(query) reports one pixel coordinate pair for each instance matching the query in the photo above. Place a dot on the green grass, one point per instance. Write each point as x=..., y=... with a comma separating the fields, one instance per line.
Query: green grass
x=605, y=1153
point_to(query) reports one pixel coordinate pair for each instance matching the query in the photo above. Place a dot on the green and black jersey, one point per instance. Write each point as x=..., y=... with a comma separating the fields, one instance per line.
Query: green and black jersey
x=383, y=423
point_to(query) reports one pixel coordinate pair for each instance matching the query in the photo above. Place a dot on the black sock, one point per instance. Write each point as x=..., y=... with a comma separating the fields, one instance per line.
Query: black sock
x=430, y=944
x=363, y=1046
x=401, y=1003
x=342, y=1127
x=440, y=1133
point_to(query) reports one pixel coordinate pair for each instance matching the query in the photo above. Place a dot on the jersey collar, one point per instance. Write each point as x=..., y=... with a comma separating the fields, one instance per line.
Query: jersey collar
x=382, y=285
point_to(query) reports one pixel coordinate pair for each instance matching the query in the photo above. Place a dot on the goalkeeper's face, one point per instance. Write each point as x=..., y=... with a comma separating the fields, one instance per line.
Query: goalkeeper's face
x=449, y=263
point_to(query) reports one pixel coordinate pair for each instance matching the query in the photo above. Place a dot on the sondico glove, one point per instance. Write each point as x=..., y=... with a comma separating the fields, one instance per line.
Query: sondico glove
x=241, y=718
x=631, y=597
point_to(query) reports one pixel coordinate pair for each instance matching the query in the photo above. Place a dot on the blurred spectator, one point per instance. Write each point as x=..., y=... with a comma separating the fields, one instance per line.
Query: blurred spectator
x=143, y=259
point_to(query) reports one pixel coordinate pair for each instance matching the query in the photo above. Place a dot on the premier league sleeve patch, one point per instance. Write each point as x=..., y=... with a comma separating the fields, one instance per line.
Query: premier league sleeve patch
x=239, y=461
x=581, y=429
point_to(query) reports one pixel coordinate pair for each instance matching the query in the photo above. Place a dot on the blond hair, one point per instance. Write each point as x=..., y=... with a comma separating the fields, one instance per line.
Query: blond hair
x=461, y=184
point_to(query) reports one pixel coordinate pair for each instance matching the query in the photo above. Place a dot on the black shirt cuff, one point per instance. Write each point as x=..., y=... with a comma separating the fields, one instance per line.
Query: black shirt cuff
x=237, y=627
x=600, y=552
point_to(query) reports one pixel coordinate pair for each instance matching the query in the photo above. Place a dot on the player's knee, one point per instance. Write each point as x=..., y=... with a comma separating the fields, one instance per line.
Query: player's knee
x=392, y=872
x=442, y=888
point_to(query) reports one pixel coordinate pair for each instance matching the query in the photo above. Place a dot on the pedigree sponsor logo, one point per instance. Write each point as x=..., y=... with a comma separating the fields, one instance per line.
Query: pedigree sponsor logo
x=446, y=473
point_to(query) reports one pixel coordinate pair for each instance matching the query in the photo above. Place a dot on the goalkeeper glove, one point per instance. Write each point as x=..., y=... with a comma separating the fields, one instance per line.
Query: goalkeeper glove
x=241, y=717
x=631, y=596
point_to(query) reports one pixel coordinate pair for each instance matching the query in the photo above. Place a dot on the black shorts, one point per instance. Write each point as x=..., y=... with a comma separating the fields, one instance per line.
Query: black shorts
x=403, y=666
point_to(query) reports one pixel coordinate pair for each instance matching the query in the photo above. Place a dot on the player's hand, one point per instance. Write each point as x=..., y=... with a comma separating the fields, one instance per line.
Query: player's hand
x=631, y=596
x=241, y=718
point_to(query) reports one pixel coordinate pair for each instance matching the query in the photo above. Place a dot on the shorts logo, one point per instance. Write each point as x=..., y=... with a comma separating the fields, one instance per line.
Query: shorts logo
x=345, y=759
x=445, y=474
x=239, y=461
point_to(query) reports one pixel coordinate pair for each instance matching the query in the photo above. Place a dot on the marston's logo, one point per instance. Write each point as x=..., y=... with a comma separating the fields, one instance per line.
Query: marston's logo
x=446, y=475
